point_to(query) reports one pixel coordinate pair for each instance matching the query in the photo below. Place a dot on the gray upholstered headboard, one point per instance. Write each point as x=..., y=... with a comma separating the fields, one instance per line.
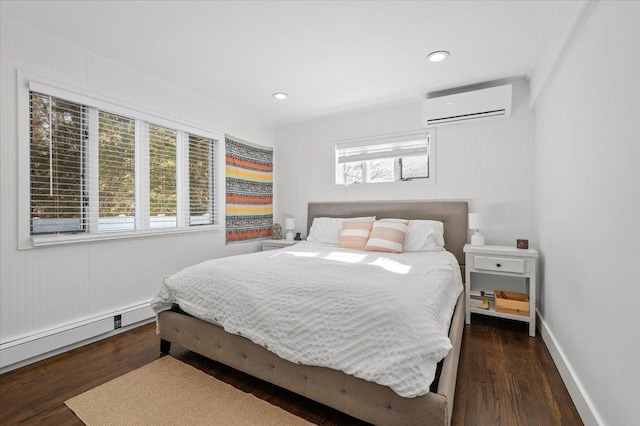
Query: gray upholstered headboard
x=452, y=213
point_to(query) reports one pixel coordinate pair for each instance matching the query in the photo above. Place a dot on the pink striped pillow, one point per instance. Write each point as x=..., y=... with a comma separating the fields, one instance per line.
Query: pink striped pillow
x=387, y=236
x=355, y=234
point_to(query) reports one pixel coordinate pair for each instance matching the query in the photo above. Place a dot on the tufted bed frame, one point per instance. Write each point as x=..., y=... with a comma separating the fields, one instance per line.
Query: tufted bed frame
x=359, y=398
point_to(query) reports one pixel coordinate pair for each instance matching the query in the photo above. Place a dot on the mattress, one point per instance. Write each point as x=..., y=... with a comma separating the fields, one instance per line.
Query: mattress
x=377, y=316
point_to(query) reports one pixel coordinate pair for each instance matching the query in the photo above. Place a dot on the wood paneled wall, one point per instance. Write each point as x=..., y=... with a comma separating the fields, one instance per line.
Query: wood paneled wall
x=488, y=163
x=48, y=288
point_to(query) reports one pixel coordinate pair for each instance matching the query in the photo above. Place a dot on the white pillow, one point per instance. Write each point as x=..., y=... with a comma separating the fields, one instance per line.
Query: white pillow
x=422, y=235
x=327, y=229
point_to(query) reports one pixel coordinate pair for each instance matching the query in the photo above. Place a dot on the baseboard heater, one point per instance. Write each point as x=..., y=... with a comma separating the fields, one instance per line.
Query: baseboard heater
x=38, y=346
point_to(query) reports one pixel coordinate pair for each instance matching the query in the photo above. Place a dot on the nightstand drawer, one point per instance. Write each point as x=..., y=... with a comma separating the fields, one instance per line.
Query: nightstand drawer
x=503, y=264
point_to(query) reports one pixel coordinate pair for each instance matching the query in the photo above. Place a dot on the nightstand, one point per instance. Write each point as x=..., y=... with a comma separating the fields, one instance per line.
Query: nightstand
x=505, y=261
x=277, y=244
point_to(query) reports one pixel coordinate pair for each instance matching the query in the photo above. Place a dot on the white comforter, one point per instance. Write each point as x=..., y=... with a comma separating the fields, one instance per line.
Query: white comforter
x=381, y=317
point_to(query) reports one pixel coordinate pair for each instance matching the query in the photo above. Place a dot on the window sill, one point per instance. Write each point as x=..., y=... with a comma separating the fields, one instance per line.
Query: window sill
x=60, y=239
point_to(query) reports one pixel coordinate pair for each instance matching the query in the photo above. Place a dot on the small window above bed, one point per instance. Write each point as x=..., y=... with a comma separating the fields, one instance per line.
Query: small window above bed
x=388, y=158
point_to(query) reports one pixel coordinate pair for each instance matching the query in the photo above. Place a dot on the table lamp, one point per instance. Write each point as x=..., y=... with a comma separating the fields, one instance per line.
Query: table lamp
x=475, y=223
x=289, y=225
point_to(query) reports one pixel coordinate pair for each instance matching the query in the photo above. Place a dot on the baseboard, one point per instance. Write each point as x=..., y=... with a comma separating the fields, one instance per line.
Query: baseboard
x=29, y=349
x=577, y=392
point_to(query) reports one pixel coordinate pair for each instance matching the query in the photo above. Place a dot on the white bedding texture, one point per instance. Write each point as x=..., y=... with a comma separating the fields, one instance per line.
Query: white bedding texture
x=377, y=316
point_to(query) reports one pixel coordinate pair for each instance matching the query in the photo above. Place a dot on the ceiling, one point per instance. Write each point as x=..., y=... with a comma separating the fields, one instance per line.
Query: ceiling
x=330, y=57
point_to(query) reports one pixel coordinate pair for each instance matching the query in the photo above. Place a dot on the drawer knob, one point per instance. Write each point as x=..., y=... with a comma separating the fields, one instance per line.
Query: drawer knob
x=498, y=265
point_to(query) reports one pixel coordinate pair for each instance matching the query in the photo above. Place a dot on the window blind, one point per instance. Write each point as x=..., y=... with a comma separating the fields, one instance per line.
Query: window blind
x=202, y=160
x=116, y=172
x=95, y=170
x=348, y=153
x=57, y=152
x=162, y=177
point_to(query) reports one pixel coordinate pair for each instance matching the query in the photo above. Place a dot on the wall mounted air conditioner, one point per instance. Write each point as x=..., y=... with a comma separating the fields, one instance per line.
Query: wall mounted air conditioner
x=493, y=102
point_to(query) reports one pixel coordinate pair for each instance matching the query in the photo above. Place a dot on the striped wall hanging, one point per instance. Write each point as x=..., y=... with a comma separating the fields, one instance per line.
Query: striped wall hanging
x=249, y=182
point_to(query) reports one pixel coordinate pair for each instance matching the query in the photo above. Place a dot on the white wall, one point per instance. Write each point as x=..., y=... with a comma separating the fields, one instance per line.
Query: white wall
x=46, y=288
x=488, y=163
x=587, y=206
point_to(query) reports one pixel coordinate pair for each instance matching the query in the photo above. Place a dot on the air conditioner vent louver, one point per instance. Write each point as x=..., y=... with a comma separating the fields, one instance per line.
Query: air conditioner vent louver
x=466, y=117
x=468, y=106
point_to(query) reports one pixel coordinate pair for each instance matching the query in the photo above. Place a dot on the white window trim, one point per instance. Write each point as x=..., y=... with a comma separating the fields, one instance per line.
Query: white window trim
x=182, y=179
x=142, y=204
x=28, y=82
x=58, y=239
x=387, y=138
x=92, y=175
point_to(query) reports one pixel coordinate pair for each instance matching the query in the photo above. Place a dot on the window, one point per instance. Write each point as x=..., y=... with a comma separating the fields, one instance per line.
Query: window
x=116, y=172
x=58, y=146
x=414, y=167
x=202, y=157
x=391, y=158
x=162, y=176
x=103, y=170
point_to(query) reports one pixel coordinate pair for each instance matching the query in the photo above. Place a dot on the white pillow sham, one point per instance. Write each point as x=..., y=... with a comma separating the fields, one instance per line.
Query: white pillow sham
x=327, y=229
x=422, y=235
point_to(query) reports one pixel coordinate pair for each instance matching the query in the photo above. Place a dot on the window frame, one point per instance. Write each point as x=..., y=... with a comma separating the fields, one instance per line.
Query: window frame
x=28, y=82
x=213, y=177
x=383, y=139
x=82, y=157
x=93, y=173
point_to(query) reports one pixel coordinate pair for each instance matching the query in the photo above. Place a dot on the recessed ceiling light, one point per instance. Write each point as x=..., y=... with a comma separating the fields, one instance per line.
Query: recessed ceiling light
x=438, y=56
x=280, y=95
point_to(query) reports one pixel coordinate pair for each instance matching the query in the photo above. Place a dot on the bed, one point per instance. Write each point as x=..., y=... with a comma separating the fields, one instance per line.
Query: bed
x=363, y=399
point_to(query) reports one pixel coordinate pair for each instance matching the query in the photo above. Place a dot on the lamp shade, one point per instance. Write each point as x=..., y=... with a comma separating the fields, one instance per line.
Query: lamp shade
x=290, y=223
x=475, y=221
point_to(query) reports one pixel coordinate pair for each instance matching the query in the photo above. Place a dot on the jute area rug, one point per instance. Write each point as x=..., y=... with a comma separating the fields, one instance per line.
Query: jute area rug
x=170, y=392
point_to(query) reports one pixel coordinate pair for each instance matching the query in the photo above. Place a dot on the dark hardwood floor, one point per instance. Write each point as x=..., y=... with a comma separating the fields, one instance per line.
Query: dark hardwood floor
x=505, y=377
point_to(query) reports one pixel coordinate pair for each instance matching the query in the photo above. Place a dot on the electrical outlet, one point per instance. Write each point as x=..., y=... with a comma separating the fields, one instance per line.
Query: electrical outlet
x=117, y=322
